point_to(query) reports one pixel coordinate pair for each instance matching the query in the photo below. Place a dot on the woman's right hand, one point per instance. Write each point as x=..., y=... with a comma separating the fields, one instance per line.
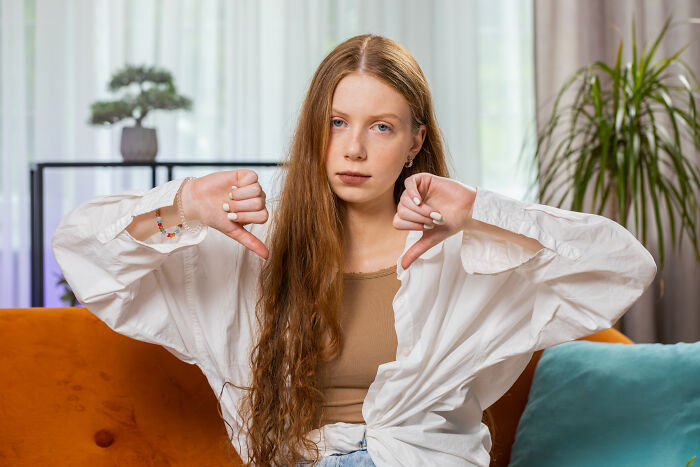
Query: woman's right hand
x=203, y=199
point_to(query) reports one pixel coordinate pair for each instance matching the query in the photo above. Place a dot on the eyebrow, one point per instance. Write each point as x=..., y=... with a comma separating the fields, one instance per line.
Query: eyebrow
x=387, y=114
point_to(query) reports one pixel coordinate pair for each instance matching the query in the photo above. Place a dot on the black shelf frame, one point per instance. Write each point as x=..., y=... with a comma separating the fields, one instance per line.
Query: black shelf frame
x=36, y=184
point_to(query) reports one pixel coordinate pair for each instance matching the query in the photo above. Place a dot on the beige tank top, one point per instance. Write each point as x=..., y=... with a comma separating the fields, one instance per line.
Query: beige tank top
x=369, y=339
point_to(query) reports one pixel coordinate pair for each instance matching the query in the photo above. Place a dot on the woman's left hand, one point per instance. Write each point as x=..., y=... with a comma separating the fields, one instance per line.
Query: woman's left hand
x=448, y=200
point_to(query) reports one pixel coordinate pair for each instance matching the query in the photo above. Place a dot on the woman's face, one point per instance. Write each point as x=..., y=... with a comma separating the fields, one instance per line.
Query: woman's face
x=370, y=134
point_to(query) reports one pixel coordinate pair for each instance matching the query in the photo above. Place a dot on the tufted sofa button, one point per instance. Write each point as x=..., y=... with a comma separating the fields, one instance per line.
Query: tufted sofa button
x=104, y=438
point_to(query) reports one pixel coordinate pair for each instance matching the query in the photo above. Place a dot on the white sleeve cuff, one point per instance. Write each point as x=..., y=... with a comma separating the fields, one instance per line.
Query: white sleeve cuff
x=158, y=197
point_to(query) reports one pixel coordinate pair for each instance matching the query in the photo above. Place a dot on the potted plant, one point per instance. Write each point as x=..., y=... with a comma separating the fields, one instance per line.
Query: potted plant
x=156, y=91
x=621, y=136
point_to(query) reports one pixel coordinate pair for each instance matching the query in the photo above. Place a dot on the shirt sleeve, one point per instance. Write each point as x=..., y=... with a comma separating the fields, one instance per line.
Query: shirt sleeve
x=138, y=288
x=587, y=275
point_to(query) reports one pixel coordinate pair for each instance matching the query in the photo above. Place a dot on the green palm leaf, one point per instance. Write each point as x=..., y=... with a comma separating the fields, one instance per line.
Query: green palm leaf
x=625, y=136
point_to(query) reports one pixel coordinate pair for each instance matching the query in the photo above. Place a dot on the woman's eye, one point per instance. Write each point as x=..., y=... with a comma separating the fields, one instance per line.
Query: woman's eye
x=335, y=120
x=384, y=125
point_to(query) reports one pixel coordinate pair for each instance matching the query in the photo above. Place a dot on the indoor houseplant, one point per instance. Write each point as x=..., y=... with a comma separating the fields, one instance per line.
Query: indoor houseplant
x=624, y=136
x=68, y=296
x=155, y=90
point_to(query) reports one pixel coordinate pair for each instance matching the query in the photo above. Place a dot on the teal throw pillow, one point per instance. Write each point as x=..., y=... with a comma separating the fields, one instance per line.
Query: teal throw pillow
x=594, y=404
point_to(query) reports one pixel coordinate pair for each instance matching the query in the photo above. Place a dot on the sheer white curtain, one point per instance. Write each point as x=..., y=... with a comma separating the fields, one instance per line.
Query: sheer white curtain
x=246, y=65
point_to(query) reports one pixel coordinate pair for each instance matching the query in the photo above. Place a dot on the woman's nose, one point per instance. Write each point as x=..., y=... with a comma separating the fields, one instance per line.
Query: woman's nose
x=355, y=150
x=355, y=155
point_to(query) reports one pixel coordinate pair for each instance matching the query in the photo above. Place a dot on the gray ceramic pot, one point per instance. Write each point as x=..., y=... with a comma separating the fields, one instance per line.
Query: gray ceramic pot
x=139, y=144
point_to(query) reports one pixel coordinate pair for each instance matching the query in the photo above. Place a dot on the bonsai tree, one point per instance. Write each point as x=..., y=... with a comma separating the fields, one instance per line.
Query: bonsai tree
x=624, y=125
x=156, y=91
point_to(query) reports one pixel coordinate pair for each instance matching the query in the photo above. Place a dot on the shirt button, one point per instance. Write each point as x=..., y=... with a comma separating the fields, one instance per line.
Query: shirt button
x=405, y=351
x=400, y=300
x=389, y=373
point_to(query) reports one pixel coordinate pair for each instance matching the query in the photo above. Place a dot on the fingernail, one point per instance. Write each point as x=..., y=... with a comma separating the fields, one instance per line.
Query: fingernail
x=232, y=215
x=230, y=195
x=426, y=226
x=436, y=215
x=226, y=207
x=437, y=222
x=416, y=200
x=233, y=187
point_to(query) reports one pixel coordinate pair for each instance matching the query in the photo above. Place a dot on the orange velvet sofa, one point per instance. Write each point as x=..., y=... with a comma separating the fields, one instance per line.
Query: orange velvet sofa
x=76, y=393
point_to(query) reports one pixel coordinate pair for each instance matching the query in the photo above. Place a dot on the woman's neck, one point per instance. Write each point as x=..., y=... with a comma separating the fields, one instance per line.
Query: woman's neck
x=371, y=240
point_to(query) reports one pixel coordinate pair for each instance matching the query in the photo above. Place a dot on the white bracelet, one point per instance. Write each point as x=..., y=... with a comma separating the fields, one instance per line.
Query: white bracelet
x=195, y=226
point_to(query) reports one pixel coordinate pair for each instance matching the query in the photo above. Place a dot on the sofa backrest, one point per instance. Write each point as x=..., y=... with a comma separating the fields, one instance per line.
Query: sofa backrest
x=77, y=393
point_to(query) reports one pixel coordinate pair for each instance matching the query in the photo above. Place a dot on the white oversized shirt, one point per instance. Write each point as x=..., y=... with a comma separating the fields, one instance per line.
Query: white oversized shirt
x=469, y=313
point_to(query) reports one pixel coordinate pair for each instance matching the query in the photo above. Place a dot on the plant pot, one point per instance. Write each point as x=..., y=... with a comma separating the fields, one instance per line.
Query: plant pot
x=139, y=144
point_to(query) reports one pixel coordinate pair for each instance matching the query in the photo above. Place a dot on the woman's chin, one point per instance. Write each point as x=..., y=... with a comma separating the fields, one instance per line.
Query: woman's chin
x=359, y=196
x=357, y=200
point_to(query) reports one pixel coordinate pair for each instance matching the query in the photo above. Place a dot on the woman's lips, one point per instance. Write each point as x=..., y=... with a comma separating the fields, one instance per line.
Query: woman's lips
x=353, y=179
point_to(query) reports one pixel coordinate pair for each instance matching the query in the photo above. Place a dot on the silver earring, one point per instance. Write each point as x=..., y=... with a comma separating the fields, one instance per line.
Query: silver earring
x=410, y=162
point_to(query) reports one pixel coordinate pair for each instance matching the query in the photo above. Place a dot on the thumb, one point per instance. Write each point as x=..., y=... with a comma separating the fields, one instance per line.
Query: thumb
x=426, y=242
x=251, y=242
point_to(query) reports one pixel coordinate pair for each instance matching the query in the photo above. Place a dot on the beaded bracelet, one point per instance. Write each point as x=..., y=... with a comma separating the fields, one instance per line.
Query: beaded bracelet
x=159, y=221
x=184, y=224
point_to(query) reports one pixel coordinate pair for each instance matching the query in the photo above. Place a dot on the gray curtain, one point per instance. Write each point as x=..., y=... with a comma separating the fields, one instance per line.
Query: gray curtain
x=572, y=33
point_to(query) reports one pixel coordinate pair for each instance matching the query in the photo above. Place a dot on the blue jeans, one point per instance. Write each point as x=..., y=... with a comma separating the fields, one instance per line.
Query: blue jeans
x=358, y=458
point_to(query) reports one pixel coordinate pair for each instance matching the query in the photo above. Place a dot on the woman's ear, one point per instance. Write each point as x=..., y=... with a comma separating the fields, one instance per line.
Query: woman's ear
x=418, y=139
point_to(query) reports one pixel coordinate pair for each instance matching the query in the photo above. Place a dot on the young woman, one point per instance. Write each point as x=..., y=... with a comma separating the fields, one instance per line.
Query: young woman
x=376, y=316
